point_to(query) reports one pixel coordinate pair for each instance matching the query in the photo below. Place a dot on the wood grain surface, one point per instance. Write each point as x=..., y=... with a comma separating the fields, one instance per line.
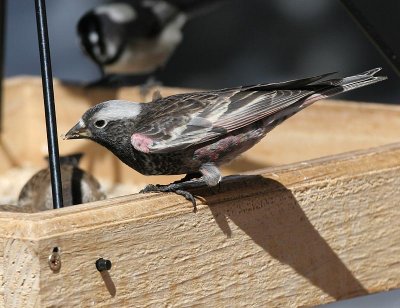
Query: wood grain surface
x=296, y=235
x=302, y=234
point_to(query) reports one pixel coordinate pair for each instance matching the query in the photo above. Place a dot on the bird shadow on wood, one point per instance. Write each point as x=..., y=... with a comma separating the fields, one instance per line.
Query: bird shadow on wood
x=108, y=282
x=274, y=220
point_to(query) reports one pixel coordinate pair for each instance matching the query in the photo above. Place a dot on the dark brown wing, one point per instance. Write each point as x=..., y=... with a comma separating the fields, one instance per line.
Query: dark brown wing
x=186, y=121
x=179, y=121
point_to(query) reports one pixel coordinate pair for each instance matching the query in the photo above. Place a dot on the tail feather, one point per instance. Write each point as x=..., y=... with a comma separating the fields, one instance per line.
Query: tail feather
x=336, y=86
x=372, y=71
x=354, y=82
x=320, y=84
x=291, y=84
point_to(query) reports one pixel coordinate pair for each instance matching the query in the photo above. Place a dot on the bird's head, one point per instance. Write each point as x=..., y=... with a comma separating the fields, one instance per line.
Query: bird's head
x=109, y=123
x=101, y=31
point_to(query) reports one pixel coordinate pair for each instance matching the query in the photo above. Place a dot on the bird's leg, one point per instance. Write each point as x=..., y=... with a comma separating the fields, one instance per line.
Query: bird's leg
x=189, y=176
x=210, y=176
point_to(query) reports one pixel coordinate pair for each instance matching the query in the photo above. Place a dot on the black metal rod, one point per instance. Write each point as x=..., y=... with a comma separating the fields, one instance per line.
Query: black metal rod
x=49, y=107
x=373, y=35
x=3, y=7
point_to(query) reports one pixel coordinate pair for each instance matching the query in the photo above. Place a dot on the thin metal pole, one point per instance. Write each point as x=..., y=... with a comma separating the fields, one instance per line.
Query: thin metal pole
x=49, y=108
x=3, y=7
x=373, y=35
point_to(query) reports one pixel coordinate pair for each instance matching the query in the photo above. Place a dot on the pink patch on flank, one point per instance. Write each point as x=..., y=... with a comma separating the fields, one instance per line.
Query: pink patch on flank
x=141, y=142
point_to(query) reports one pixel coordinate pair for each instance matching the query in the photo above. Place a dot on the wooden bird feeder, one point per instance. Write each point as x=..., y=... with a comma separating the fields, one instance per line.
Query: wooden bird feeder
x=313, y=219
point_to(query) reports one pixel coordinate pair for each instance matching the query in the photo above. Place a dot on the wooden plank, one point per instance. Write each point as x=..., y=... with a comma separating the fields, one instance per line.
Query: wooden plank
x=2, y=240
x=21, y=273
x=296, y=235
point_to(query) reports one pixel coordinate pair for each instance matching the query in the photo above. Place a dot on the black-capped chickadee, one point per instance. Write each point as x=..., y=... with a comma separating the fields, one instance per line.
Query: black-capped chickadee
x=136, y=38
x=131, y=38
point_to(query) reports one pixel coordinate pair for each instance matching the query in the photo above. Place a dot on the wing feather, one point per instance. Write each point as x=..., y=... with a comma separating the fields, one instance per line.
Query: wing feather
x=184, y=120
x=177, y=122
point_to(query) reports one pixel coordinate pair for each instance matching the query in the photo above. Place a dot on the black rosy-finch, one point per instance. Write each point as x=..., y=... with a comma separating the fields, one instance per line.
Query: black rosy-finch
x=78, y=187
x=130, y=38
x=196, y=133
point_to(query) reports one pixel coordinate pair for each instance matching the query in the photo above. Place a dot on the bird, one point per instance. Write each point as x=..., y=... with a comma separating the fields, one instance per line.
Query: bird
x=195, y=133
x=78, y=187
x=127, y=39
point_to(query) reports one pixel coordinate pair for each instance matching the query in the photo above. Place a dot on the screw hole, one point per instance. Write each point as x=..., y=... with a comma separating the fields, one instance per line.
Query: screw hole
x=55, y=259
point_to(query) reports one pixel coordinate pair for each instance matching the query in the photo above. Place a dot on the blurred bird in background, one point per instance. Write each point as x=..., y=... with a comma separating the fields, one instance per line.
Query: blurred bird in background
x=195, y=133
x=78, y=187
x=131, y=40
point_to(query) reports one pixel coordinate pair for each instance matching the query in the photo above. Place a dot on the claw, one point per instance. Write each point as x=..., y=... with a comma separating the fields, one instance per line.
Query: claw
x=189, y=197
x=171, y=188
x=148, y=188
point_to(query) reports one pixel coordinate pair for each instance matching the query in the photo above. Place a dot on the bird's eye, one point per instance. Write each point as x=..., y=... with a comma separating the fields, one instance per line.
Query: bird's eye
x=100, y=123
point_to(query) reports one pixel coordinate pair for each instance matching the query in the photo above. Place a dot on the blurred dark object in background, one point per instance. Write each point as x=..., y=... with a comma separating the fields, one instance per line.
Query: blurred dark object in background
x=134, y=38
x=245, y=42
x=372, y=28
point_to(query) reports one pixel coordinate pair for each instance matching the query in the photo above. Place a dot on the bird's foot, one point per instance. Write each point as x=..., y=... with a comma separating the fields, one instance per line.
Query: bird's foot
x=189, y=177
x=179, y=188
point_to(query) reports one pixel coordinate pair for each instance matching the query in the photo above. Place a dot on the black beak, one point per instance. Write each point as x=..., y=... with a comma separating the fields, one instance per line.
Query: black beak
x=79, y=131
